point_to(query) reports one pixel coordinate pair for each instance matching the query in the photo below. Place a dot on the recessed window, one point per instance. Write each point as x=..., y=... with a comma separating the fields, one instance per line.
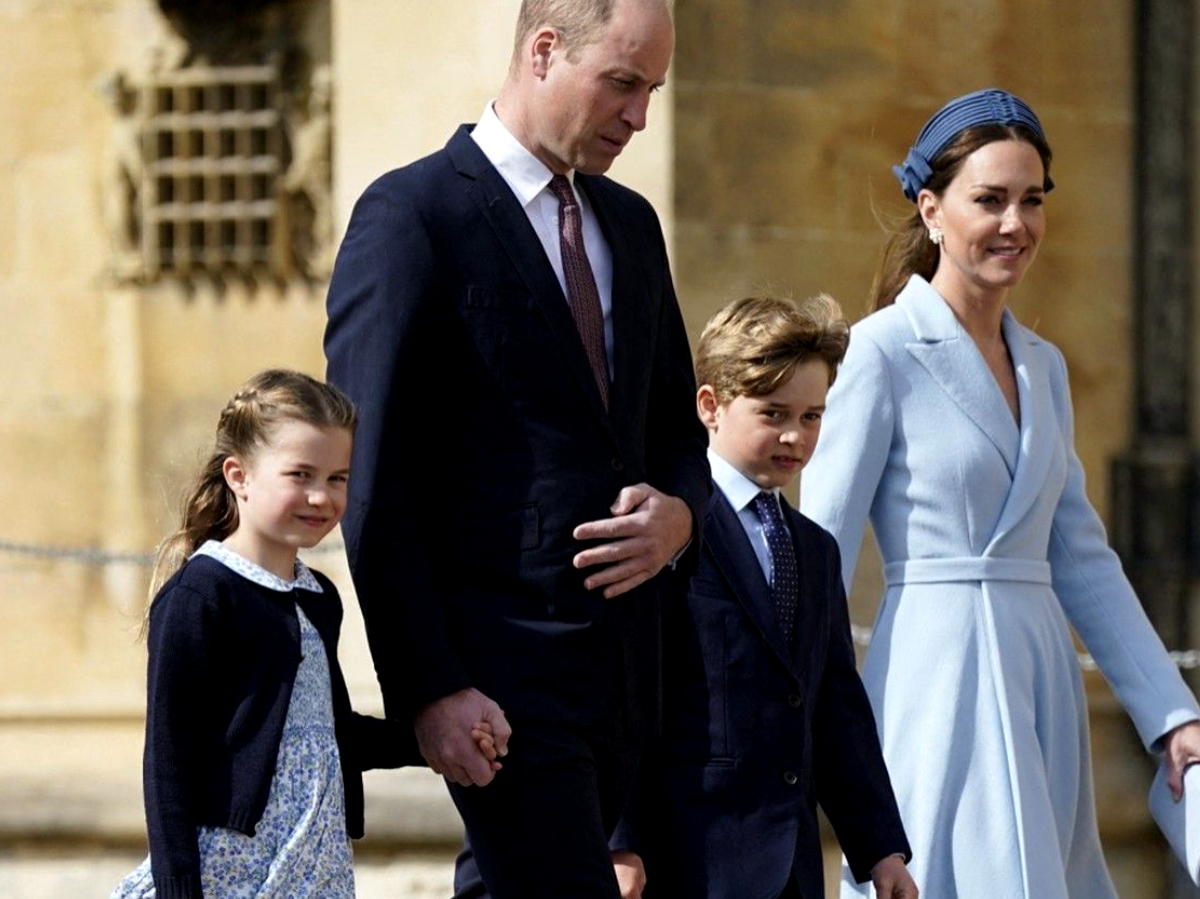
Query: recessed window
x=214, y=143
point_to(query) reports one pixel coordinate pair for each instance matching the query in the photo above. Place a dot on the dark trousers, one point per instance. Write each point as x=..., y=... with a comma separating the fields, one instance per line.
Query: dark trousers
x=540, y=830
x=792, y=890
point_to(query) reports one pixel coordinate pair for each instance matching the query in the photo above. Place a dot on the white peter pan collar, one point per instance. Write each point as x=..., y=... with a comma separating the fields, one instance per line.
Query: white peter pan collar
x=305, y=580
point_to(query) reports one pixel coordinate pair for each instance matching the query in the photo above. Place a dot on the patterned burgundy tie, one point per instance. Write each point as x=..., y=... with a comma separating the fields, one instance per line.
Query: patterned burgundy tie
x=582, y=294
x=785, y=578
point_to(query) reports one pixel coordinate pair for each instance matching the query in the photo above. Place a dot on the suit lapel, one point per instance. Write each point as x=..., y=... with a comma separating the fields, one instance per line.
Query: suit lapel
x=631, y=322
x=491, y=193
x=1037, y=424
x=950, y=356
x=812, y=585
x=730, y=548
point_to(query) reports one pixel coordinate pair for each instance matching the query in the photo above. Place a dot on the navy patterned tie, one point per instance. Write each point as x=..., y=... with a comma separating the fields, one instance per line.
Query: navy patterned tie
x=785, y=579
x=582, y=294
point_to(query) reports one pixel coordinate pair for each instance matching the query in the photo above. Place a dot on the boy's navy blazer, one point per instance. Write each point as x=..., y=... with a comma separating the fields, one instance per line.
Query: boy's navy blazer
x=757, y=733
x=483, y=441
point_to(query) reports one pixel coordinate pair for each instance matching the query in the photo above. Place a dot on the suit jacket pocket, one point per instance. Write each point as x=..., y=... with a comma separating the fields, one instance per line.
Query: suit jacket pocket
x=494, y=318
x=518, y=347
x=480, y=300
x=696, y=777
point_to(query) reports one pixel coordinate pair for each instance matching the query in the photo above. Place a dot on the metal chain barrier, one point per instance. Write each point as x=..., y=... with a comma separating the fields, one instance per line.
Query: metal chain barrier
x=87, y=555
x=83, y=555
x=1185, y=659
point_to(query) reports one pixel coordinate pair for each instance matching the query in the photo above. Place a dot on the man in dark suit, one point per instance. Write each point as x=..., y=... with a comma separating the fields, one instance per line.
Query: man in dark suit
x=527, y=473
x=764, y=712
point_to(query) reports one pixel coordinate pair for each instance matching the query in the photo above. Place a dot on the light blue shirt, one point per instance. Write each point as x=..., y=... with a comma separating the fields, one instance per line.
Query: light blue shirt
x=741, y=491
x=529, y=180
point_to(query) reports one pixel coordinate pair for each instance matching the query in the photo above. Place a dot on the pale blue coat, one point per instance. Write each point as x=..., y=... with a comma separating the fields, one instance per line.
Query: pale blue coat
x=990, y=547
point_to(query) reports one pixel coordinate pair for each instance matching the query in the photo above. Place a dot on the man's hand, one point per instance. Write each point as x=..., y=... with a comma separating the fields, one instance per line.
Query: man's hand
x=444, y=736
x=892, y=880
x=1183, y=749
x=631, y=875
x=647, y=529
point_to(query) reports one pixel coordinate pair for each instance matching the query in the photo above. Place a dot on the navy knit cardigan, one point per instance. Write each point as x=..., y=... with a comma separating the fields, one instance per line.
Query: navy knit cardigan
x=223, y=657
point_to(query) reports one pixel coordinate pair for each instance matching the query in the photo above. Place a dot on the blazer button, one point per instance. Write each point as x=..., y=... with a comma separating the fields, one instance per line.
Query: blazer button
x=794, y=701
x=618, y=465
x=790, y=778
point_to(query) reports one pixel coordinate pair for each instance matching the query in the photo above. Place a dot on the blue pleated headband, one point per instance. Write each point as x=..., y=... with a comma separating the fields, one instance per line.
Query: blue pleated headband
x=986, y=107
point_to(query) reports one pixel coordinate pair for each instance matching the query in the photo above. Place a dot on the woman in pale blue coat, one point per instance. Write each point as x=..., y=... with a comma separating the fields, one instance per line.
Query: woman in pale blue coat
x=950, y=427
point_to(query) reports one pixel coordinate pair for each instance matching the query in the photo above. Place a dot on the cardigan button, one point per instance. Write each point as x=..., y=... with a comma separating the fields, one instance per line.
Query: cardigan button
x=790, y=778
x=794, y=701
x=618, y=465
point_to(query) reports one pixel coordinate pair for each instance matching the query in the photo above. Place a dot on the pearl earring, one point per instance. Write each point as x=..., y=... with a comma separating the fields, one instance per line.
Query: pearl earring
x=935, y=236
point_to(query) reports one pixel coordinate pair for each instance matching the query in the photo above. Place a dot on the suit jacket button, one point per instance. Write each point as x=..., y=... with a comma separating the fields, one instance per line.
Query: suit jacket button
x=618, y=465
x=790, y=778
x=793, y=701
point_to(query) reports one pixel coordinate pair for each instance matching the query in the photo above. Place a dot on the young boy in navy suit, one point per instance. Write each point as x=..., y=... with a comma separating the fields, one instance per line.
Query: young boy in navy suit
x=764, y=713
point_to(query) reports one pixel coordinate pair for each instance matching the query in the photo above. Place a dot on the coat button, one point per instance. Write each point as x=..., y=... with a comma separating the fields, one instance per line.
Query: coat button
x=790, y=778
x=618, y=465
x=793, y=701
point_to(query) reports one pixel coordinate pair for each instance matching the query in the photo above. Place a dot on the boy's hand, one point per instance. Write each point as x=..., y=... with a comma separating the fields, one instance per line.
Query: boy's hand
x=631, y=874
x=892, y=880
x=647, y=529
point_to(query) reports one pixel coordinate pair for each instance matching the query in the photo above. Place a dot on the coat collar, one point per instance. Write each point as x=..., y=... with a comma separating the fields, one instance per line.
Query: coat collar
x=947, y=352
x=1038, y=423
x=496, y=202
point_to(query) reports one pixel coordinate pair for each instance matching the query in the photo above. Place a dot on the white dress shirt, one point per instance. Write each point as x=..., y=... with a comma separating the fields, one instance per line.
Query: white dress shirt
x=529, y=180
x=741, y=491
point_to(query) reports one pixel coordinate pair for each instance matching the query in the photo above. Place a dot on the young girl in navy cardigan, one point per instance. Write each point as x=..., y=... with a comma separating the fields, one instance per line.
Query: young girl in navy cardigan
x=253, y=759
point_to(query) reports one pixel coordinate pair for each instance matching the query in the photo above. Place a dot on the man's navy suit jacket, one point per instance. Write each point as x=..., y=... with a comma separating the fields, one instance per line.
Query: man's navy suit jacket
x=483, y=441
x=756, y=733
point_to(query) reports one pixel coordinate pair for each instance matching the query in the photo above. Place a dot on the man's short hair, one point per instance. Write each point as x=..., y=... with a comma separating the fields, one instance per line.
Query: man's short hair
x=578, y=22
x=752, y=346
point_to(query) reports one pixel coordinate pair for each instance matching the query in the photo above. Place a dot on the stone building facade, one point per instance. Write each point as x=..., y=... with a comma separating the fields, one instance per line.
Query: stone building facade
x=142, y=279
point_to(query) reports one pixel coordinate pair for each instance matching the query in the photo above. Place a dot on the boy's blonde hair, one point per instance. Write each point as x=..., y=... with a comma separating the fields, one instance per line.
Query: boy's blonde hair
x=752, y=346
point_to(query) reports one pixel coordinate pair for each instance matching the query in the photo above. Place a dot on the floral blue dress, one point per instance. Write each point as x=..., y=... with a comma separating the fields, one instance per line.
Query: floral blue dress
x=300, y=849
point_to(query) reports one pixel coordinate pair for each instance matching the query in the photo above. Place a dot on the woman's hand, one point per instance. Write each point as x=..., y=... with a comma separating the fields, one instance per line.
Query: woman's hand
x=1183, y=749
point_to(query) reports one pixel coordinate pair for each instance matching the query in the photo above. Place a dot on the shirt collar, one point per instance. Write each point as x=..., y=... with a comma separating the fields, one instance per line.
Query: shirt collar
x=738, y=489
x=305, y=580
x=524, y=173
x=931, y=317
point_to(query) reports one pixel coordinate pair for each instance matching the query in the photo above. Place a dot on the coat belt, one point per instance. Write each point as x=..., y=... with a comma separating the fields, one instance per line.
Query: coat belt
x=966, y=568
